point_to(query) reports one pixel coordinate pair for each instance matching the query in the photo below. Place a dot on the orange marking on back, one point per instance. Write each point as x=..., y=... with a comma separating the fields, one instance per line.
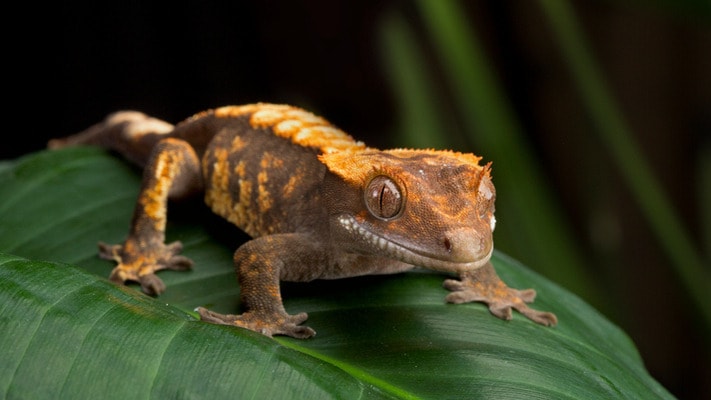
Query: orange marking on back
x=293, y=182
x=237, y=144
x=241, y=170
x=295, y=124
x=233, y=111
x=264, y=199
x=269, y=160
x=242, y=216
x=218, y=197
x=240, y=210
x=267, y=163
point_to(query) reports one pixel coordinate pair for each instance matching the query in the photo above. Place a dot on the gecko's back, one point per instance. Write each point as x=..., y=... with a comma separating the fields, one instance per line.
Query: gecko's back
x=261, y=169
x=258, y=162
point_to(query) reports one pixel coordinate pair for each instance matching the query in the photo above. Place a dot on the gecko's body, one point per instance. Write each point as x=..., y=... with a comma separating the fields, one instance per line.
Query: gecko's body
x=317, y=204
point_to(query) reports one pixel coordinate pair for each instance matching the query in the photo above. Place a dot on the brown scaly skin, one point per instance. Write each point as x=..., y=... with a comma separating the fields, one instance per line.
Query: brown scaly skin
x=317, y=203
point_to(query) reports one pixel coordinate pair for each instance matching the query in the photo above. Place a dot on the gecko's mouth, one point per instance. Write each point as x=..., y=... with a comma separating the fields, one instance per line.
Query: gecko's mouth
x=405, y=254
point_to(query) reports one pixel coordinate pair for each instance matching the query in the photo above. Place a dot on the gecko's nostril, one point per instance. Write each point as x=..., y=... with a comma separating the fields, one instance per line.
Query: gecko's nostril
x=447, y=245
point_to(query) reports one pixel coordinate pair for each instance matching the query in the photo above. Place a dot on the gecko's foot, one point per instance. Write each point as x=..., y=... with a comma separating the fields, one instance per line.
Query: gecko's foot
x=484, y=285
x=268, y=325
x=141, y=266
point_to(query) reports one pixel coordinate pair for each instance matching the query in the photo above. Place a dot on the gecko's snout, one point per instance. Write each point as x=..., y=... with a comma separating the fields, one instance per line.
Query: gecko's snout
x=467, y=245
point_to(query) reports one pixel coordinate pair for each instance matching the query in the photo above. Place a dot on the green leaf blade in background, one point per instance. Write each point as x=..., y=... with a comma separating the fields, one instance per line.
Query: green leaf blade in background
x=686, y=261
x=377, y=337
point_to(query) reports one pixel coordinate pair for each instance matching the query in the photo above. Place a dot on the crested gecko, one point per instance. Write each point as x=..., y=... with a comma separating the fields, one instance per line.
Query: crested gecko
x=316, y=203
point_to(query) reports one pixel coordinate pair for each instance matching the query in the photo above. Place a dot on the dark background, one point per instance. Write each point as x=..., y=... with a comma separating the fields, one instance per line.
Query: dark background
x=70, y=65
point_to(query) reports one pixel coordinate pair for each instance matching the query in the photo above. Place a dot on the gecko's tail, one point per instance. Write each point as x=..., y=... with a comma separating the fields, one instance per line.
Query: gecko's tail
x=130, y=133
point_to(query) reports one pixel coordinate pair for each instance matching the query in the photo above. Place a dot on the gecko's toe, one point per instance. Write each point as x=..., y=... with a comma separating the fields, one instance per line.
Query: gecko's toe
x=179, y=263
x=527, y=295
x=215, y=318
x=151, y=284
x=540, y=317
x=298, y=332
x=109, y=251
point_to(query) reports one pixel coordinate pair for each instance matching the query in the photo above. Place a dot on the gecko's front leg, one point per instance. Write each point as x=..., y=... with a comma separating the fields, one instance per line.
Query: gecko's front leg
x=173, y=171
x=261, y=264
x=484, y=285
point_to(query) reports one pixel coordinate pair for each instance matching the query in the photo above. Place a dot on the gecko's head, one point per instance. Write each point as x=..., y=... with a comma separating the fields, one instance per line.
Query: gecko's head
x=429, y=208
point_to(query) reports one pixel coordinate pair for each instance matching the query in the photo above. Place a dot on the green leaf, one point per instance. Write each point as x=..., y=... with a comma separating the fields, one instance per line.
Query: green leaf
x=66, y=332
x=70, y=334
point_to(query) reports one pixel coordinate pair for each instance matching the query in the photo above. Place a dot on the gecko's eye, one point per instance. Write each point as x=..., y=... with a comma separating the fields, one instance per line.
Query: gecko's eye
x=383, y=197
